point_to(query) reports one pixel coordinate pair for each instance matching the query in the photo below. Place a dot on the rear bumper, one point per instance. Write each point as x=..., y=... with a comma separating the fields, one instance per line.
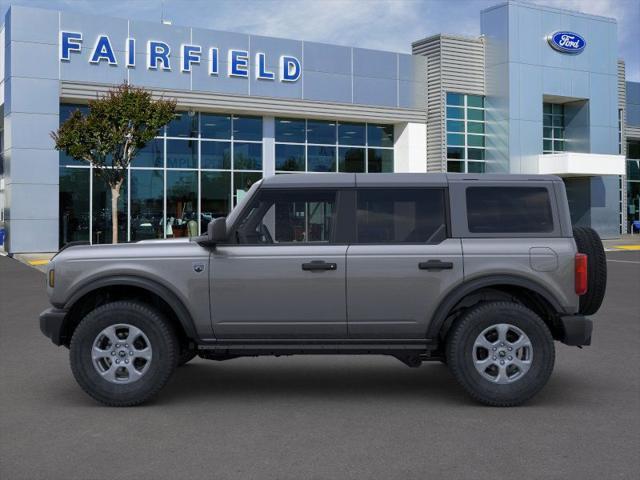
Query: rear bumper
x=51, y=323
x=576, y=330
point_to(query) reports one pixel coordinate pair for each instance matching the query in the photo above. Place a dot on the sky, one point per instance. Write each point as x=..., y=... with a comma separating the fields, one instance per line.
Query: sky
x=378, y=24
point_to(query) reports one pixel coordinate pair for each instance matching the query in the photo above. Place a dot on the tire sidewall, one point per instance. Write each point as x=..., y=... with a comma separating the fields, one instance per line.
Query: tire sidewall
x=460, y=353
x=163, y=353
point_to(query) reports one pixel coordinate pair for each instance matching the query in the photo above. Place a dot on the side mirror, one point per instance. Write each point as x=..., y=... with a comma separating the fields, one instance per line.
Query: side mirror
x=217, y=230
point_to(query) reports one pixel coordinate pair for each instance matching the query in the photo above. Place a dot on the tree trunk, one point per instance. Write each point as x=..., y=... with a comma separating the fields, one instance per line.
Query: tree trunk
x=115, y=194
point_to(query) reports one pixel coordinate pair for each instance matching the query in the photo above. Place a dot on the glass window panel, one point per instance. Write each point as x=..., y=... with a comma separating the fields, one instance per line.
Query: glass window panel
x=182, y=153
x=557, y=108
x=184, y=124
x=558, y=145
x=475, y=101
x=475, y=167
x=247, y=128
x=290, y=130
x=351, y=133
x=182, y=203
x=547, y=120
x=473, y=114
x=290, y=158
x=547, y=145
x=454, y=112
x=509, y=210
x=633, y=149
x=475, y=153
x=102, y=211
x=455, y=139
x=633, y=169
x=380, y=161
x=289, y=217
x=351, y=160
x=558, y=121
x=65, y=159
x=455, y=126
x=547, y=132
x=558, y=133
x=455, y=167
x=319, y=131
x=455, y=152
x=215, y=155
x=407, y=215
x=475, y=140
x=215, y=192
x=147, y=199
x=247, y=156
x=152, y=155
x=66, y=109
x=321, y=159
x=475, y=127
x=74, y=204
x=215, y=126
x=242, y=182
x=546, y=108
x=380, y=135
x=455, y=98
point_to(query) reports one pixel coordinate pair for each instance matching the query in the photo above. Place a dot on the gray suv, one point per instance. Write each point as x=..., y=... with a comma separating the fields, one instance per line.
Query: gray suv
x=481, y=272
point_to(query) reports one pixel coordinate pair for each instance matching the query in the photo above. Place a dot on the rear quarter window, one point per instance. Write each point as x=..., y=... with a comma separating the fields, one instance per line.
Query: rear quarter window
x=509, y=210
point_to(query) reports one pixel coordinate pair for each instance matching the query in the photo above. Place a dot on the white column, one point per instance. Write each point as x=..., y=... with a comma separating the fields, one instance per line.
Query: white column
x=268, y=146
x=410, y=148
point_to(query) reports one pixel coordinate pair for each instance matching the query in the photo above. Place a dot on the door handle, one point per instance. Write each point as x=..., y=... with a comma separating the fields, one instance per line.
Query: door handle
x=435, y=265
x=319, y=265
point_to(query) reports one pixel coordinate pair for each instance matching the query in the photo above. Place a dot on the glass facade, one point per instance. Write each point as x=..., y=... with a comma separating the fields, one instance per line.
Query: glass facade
x=552, y=128
x=305, y=145
x=193, y=171
x=633, y=184
x=465, y=130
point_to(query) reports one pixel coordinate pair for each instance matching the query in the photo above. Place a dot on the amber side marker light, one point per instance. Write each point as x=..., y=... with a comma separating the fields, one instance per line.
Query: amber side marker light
x=581, y=273
x=52, y=277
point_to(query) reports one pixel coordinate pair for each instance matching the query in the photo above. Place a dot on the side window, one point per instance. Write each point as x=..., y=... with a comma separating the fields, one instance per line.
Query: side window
x=407, y=215
x=289, y=216
x=509, y=210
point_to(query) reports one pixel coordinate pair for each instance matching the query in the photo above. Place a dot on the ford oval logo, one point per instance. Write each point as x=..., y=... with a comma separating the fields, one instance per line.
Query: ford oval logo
x=567, y=42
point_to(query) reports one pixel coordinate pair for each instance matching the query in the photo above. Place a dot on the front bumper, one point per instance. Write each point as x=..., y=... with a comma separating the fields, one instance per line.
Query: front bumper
x=576, y=330
x=51, y=324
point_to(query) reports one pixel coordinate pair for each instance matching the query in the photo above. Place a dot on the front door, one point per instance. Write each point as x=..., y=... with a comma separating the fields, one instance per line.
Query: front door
x=284, y=277
x=401, y=264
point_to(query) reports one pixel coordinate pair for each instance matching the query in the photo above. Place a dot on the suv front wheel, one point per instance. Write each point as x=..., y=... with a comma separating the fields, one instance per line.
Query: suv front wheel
x=501, y=353
x=123, y=353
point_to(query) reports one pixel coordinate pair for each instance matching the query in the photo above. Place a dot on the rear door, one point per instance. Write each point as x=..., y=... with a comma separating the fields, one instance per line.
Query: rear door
x=401, y=263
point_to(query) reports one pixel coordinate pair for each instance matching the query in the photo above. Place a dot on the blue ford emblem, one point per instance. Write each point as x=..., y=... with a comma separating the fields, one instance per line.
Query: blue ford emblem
x=567, y=42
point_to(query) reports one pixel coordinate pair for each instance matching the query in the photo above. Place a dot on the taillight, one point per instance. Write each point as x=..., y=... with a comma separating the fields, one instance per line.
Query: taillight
x=581, y=273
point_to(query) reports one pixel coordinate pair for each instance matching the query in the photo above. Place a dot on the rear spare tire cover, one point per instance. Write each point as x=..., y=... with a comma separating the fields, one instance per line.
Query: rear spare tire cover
x=588, y=242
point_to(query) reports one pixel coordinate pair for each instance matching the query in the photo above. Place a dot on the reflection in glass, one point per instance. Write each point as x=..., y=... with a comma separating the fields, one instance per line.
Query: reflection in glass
x=380, y=160
x=351, y=133
x=242, y=182
x=290, y=130
x=147, y=187
x=320, y=131
x=182, y=153
x=215, y=190
x=321, y=159
x=379, y=135
x=247, y=156
x=215, y=126
x=290, y=158
x=101, y=216
x=351, y=160
x=182, y=203
x=247, y=128
x=184, y=124
x=74, y=205
x=455, y=98
x=216, y=155
x=151, y=155
x=455, y=167
x=455, y=152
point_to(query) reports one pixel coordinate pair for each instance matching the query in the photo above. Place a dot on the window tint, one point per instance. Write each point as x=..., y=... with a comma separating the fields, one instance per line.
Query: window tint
x=509, y=210
x=401, y=215
x=289, y=217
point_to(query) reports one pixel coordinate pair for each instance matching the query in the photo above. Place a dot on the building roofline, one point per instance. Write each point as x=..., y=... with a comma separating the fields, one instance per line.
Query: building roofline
x=520, y=3
x=467, y=38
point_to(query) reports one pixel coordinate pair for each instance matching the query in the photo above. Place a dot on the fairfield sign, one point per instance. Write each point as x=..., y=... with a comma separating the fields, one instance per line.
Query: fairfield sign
x=159, y=56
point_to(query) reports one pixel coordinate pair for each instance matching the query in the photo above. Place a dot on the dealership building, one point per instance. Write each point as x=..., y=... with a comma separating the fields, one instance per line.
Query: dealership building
x=540, y=91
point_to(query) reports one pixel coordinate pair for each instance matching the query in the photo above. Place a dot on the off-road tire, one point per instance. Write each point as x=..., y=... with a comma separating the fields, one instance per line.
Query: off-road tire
x=588, y=242
x=164, y=349
x=459, y=353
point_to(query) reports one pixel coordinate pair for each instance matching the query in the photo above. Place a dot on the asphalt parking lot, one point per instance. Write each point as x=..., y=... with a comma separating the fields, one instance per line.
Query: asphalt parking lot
x=320, y=417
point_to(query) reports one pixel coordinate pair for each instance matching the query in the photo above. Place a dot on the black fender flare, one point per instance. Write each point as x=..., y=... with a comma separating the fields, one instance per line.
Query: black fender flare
x=181, y=311
x=464, y=289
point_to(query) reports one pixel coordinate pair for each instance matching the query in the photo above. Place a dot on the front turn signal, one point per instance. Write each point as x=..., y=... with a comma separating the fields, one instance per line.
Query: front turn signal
x=52, y=277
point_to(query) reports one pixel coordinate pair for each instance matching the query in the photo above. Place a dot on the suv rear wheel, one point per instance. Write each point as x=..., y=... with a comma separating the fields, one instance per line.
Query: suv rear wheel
x=123, y=353
x=501, y=353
